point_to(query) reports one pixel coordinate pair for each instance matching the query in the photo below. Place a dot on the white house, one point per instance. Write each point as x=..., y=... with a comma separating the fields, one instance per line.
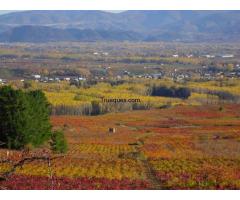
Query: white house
x=67, y=79
x=210, y=56
x=37, y=76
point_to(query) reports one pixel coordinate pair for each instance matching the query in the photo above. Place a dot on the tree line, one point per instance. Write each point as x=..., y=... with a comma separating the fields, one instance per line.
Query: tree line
x=97, y=108
x=174, y=92
x=223, y=96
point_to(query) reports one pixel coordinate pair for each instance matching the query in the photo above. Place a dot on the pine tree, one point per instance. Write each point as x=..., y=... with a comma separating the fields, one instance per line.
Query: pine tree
x=13, y=117
x=24, y=118
x=39, y=112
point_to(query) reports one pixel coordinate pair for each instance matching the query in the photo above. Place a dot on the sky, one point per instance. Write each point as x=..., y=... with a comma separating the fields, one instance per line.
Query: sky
x=9, y=11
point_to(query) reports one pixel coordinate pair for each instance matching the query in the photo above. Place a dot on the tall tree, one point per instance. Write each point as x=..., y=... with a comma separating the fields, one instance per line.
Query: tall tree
x=13, y=117
x=39, y=121
x=24, y=118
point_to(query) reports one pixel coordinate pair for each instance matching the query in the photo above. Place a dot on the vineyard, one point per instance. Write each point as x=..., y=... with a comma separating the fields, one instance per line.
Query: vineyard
x=86, y=104
x=182, y=147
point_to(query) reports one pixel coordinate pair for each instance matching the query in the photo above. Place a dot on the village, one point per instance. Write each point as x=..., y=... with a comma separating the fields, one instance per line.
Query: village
x=204, y=73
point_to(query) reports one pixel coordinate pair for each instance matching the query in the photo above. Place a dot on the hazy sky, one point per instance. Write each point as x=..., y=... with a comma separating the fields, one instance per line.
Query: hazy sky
x=8, y=11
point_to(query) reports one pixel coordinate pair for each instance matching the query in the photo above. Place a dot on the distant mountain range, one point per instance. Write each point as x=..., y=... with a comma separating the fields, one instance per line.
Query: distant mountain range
x=191, y=26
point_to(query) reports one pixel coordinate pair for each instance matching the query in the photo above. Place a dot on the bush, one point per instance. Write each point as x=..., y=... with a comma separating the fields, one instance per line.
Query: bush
x=58, y=143
x=24, y=118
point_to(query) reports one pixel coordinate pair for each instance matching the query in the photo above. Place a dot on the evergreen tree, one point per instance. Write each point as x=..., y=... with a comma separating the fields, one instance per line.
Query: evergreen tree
x=24, y=118
x=39, y=121
x=13, y=117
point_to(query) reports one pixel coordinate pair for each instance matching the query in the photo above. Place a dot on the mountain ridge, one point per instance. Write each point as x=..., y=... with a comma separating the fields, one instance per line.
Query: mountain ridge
x=142, y=25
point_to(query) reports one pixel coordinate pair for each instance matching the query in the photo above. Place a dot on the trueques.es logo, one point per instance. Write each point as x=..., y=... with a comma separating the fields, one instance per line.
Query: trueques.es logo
x=106, y=100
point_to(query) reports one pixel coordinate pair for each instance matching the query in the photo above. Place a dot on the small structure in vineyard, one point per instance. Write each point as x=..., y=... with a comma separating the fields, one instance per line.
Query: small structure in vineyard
x=112, y=130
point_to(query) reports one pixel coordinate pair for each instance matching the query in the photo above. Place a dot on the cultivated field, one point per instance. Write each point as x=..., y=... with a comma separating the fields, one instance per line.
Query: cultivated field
x=134, y=115
x=182, y=147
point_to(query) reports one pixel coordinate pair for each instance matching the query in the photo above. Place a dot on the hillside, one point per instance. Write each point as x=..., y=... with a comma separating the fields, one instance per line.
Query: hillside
x=48, y=34
x=128, y=25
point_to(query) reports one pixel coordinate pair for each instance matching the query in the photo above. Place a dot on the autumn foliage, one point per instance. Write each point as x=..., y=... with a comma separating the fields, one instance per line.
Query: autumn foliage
x=182, y=147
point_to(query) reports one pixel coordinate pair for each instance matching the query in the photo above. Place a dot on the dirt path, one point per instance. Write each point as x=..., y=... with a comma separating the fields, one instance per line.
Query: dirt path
x=151, y=176
x=148, y=170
